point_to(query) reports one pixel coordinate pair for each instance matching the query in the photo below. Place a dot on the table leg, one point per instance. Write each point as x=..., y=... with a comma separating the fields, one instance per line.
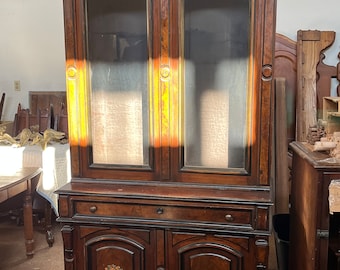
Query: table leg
x=28, y=224
x=48, y=224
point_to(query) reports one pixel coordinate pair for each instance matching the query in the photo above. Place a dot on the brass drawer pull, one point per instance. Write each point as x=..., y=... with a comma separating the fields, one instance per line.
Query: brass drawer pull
x=229, y=217
x=93, y=209
x=160, y=211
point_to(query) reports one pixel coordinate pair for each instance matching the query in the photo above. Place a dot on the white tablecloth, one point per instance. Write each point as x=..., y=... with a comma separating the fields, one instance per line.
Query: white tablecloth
x=54, y=160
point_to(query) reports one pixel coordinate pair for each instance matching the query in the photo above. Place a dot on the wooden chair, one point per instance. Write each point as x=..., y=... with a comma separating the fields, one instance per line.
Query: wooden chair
x=25, y=119
x=2, y=104
x=44, y=119
x=21, y=120
x=62, y=121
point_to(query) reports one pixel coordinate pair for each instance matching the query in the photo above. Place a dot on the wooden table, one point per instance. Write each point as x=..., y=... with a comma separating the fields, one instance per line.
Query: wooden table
x=13, y=183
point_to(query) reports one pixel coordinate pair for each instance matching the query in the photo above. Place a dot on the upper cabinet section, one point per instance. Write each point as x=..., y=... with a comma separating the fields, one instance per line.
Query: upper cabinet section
x=170, y=90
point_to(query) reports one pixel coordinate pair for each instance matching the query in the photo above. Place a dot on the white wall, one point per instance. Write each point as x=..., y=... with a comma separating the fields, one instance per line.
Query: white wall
x=31, y=50
x=294, y=15
x=32, y=42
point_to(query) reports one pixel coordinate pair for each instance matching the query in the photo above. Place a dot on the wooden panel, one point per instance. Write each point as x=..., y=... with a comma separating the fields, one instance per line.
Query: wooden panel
x=285, y=67
x=310, y=45
x=281, y=149
x=51, y=107
x=15, y=190
x=2, y=104
x=124, y=248
x=325, y=73
x=44, y=100
x=310, y=222
x=196, y=251
x=303, y=235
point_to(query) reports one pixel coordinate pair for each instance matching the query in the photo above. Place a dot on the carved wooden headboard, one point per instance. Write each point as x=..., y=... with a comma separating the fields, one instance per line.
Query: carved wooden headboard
x=285, y=67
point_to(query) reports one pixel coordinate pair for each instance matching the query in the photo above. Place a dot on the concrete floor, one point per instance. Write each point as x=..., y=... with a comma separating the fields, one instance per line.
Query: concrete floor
x=13, y=252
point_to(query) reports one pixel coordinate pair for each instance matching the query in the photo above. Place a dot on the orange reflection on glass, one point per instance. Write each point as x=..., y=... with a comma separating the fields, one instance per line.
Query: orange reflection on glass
x=76, y=96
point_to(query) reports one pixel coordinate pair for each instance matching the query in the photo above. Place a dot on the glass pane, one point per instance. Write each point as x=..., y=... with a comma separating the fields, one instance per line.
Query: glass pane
x=117, y=48
x=216, y=52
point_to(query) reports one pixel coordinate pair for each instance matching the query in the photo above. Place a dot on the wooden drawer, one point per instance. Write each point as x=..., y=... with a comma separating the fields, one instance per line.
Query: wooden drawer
x=215, y=215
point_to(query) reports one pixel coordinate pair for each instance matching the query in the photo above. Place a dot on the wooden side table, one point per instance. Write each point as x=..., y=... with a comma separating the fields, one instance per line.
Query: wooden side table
x=14, y=183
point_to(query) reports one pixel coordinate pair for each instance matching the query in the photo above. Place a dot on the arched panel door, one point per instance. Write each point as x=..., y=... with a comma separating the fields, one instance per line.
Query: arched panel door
x=197, y=251
x=119, y=249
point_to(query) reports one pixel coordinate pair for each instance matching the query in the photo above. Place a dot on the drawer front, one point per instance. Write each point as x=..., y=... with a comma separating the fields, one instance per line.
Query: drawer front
x=235, y=216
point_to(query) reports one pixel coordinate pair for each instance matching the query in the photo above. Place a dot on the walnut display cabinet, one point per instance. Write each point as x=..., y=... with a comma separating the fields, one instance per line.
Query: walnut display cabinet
x=169, y=106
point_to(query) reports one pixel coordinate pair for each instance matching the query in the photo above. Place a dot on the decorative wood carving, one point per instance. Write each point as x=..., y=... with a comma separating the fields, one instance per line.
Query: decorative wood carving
x=310, y=45
x=67, y=233
x=113, y=267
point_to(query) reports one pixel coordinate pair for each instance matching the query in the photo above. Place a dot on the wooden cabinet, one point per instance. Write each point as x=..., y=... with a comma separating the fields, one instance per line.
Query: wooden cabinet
x=169, y=106
x=312, y=228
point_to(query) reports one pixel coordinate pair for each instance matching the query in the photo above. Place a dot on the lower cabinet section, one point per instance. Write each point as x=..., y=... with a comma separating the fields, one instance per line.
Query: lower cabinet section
x=187, y=251
x=105, y=248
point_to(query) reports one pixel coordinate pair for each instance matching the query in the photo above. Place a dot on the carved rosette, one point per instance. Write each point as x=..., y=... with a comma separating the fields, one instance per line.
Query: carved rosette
x=113, y=267
x=165, y=72
x=267, y=72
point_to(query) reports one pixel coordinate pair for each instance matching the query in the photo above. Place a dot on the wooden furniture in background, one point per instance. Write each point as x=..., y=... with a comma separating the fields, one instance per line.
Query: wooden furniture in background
x=53, y=102
x=306, y=84
x=285, y=119
x=23, y=119
x=61, y=120
x=282, y=186
x=310, y=227
x=285, y=67
x=12, y=183
x=2, y=102
x=325, y=74
x=45, y=100
x=319, y=76
x=144, y=194
x=310, y=45
x=303, y=72
x=47, y=109
x=44, y=119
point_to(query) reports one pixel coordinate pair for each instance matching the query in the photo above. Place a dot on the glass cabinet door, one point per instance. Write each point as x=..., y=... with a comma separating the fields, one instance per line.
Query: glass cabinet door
x=216, y=89
x=175, y=90
x=117, y=53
